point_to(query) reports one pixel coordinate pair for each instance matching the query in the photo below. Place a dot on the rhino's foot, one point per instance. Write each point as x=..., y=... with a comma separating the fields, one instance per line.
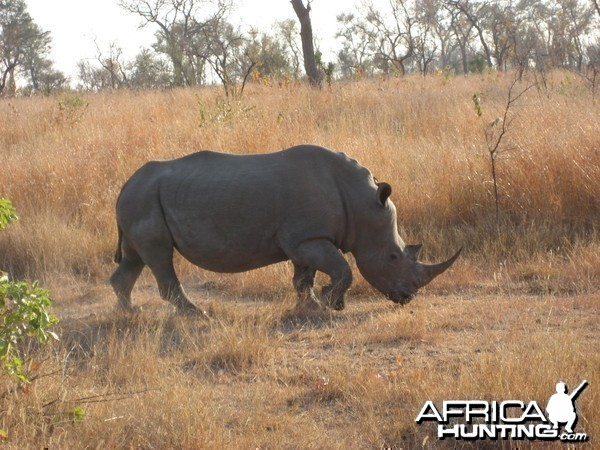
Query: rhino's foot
x=332, y=299
x=310, y=306
x=308, y=301
x=308, y=309
x=191, y=310
x=128, y=308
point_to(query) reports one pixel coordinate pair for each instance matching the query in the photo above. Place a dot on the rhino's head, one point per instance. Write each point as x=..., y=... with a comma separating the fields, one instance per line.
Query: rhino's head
x=382, y=257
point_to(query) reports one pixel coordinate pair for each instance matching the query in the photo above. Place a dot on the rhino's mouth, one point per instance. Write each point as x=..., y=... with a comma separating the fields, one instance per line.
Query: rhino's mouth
x=401, y=297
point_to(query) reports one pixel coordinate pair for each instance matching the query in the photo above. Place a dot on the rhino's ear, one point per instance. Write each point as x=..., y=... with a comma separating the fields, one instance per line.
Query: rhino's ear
x=413, y=251
x=384, y=190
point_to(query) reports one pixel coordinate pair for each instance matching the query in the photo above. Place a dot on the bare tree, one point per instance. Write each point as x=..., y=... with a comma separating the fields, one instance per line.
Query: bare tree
x=425, y=43
x=355, y=56
x=474, y=13
x=579, y=18
x=503, y=27
x=308, y=48
x=288, y=33
x=496, y=131
x=91, y=77
x=462, y=31
x=178, y=22
x=433, y=13
x=225, y=52
x=113, y=65
x=394, y=37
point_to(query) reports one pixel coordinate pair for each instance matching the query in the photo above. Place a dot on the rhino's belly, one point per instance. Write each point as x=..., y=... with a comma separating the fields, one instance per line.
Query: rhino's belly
x=229, y=256
x=214, y=231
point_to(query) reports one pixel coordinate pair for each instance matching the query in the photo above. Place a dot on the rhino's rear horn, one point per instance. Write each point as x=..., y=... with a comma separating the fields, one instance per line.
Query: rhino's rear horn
x=429, y=272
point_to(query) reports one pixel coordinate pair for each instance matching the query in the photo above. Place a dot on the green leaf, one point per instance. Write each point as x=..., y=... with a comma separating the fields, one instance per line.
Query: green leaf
x=77, y=414
x=477, y=104
x=7, y=213
x=4, y=348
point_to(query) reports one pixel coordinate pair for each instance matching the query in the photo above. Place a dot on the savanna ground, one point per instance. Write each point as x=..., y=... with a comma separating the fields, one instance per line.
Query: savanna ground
x=518, y=312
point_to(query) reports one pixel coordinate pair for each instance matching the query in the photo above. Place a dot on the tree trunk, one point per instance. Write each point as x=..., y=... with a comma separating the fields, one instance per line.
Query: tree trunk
x=308, y=50
x=464, y=57
x=11, y=85
x=176, y=56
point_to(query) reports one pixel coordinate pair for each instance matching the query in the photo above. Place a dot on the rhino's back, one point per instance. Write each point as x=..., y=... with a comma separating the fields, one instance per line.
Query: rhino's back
x=230, y=184
x=294, y=164
x=300, y=177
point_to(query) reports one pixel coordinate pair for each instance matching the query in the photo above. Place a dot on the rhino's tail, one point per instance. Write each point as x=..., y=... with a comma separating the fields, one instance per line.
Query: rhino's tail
x=118, y=253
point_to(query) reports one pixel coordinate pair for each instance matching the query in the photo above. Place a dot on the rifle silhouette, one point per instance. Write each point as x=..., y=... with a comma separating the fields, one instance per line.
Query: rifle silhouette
x=578, y=389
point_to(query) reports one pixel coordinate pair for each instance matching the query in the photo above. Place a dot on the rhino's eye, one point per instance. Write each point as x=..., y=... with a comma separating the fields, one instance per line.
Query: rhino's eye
x=394, y=256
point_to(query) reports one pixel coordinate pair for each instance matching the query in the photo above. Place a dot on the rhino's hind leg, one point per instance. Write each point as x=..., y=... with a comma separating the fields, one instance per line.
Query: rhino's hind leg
x=159, y=259
x=124, y=277
x=322, y=255
x=155, y=248
x=170, y=288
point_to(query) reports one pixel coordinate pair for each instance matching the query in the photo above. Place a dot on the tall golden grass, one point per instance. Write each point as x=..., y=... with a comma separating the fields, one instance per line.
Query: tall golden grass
x=64, y=160
x=517, y=312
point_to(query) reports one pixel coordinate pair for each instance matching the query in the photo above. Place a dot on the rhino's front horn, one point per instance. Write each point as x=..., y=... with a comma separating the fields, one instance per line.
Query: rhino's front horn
x=429, y=272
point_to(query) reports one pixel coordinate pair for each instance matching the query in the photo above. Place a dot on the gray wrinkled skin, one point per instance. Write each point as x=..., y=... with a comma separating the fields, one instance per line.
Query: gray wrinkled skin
x=233, y=213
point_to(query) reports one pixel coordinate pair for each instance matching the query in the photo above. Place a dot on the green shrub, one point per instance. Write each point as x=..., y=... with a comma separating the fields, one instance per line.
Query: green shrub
x=23, y=311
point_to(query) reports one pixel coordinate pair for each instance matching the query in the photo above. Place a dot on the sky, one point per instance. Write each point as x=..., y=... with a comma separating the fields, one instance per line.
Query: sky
x=76, y=25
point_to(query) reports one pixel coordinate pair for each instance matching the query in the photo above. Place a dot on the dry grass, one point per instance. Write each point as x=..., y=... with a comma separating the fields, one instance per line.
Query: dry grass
x=253, y=379
x=519, y=310
x=65, y=159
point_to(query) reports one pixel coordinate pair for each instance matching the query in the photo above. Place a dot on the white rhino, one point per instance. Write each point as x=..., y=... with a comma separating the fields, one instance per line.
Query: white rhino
x=233, y=213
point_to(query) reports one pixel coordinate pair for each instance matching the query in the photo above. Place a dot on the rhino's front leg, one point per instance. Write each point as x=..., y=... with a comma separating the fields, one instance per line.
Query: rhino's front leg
x=304, y=280
x=322, y=255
